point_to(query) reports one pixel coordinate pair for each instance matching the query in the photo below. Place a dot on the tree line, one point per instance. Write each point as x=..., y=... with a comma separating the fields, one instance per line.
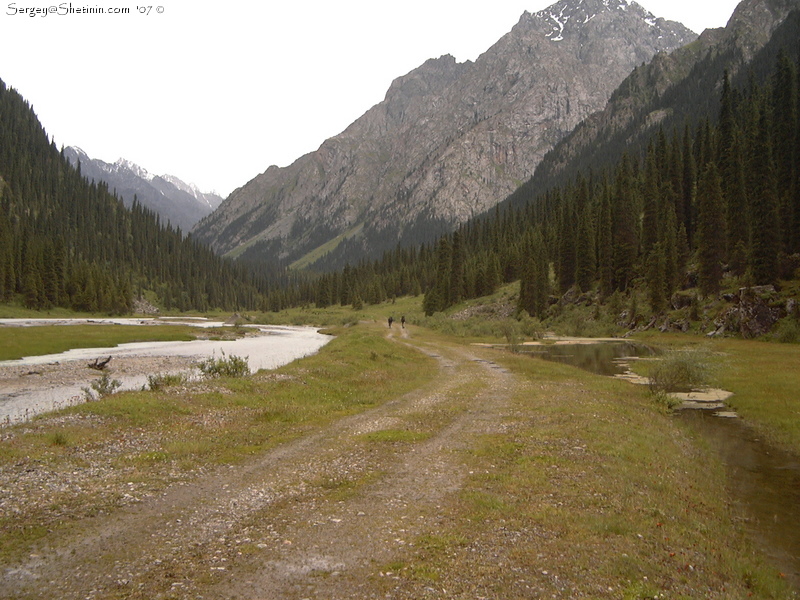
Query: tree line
x=68, y=242
x=718, y=198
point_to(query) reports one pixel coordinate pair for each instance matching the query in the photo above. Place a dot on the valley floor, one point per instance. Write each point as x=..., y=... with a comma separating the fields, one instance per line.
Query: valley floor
x=501, y=477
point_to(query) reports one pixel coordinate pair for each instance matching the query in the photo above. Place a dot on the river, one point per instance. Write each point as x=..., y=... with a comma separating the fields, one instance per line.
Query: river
x=37, y=384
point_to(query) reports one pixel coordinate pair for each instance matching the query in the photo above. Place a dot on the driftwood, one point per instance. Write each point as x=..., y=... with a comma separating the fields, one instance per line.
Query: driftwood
x=99, y=365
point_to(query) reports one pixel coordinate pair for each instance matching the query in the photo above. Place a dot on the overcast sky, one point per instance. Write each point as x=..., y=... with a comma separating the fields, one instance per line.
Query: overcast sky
x=216, y=92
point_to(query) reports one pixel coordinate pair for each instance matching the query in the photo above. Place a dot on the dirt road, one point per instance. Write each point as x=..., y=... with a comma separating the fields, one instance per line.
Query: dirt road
x=330, y=515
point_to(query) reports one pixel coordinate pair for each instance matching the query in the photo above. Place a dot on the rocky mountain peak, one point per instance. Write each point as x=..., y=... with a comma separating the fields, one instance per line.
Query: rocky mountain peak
x=449, y=141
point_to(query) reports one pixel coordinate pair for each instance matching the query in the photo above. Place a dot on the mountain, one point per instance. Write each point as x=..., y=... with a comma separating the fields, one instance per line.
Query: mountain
x=448, y=142
x=669, y=92
x=180, y=203
x=68, y=242
x=667, y=208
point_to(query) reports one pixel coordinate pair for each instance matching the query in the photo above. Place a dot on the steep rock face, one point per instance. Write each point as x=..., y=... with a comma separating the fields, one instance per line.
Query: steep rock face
x=667, y=91
x=180, y=203
x=450, y=139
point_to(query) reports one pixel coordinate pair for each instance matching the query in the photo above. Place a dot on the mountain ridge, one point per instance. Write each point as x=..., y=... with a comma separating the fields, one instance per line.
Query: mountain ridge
x=448, y=141
x=181, y=204
x=646, y=98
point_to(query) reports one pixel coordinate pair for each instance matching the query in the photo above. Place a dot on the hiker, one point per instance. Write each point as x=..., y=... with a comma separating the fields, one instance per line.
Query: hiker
x=391, y=320
x=403, y=321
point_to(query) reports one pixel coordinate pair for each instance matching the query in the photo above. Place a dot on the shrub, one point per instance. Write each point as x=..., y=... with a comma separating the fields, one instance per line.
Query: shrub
x=232, y=366
x=101, y=387
x=788, y=331
x=682, y=369
x=162, y=380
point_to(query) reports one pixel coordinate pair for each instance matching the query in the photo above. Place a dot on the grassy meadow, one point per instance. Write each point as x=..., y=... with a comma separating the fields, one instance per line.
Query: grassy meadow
x=614, y=490
x=17, y=342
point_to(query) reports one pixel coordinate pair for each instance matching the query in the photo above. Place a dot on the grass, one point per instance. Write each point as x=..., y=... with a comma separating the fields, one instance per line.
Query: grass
x=16, y=343
x=338, y=316
x=589, y=486
x=595, y=491
x=164, y=435
x=764, y=379
x=681, y=369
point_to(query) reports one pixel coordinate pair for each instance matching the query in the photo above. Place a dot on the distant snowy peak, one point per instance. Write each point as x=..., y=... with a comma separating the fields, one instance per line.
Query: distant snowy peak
x=565, y=16
x=189, y=188
x=180, y=203
x=124, y=164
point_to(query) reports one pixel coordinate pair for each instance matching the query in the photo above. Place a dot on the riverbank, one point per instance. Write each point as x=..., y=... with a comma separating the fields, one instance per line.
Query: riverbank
x=409, y=465
x=60, y=384
x=56, y=370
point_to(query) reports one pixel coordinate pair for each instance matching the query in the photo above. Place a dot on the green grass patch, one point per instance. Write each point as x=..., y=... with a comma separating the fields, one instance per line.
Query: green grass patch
x=764, y=378
x=325, y=248
x=17, y=342
x=598, y=491
x=344, y=316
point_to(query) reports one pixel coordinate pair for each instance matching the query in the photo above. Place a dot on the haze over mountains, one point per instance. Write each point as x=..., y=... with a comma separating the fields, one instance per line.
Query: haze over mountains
x=180, y=203
x=449, y=141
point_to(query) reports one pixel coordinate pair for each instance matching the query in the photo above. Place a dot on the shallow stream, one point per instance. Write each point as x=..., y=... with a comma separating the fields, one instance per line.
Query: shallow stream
x=763, y=481
x=273, y=346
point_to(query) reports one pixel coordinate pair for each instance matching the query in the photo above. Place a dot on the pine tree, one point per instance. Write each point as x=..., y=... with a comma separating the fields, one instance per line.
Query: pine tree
x=605, y=265
x=585, y=259
x=784, y=111
x=656, y=279
x=651, y=197
x=566, y=247
x=625, y=230
x=765, y=239
x=710, y=230
x=534, y=283
x=457, y=270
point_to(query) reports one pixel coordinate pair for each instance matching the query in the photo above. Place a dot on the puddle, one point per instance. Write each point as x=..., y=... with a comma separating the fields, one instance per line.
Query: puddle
x=764, y=483
x=604, y=358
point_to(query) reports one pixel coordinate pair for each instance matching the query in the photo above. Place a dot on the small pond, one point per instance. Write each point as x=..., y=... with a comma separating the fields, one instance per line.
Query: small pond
x=603, y=358
x=764, y=481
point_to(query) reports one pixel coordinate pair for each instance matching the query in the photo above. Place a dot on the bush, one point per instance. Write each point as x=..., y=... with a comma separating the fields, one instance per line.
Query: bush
x=233, y=366
x=788, y=331
x=683, y=369
x=101, y=387
x=162, y=380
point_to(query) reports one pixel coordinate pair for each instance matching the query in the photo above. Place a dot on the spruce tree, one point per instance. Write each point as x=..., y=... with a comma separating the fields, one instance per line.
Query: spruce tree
x=765, y=230
x=710, y=230
x=566, y=247
x=534, y=283
x=784, y=127
x=605, y=242
x=625, y=240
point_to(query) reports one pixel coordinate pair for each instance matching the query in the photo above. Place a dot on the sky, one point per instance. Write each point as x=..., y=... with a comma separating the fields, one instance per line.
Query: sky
x=215, y=92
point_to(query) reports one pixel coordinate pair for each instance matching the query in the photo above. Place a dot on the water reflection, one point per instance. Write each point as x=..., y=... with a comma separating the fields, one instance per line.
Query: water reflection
x=604, y=358
x=763, y=481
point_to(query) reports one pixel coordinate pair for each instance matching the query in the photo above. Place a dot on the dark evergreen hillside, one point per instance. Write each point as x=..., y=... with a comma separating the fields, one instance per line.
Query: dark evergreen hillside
x=697, y=205
x=66, y=242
